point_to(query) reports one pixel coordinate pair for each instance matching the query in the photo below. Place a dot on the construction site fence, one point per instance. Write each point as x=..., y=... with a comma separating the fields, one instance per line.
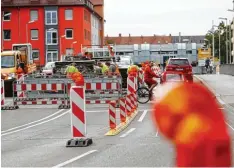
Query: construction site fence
x=47, y=91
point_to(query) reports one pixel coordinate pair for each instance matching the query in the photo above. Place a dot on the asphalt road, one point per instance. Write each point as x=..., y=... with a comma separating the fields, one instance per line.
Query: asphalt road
x=37, y=135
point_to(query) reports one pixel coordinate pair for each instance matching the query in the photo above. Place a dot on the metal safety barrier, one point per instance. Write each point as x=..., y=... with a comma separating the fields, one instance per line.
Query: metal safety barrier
x=102, y=89
x=43, y=92
x=52, y=91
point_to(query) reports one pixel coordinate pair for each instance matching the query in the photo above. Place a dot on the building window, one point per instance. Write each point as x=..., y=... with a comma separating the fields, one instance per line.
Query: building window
x=69, y=33
x=33, y=15
x=51, y=18
x=34, y=34
x=7, y=16
x=52, y=55
x=85, y=34
x=86, y=16
x=7, y=34
x=69, y=14
x=189, y=52
x=51, y=37
x=35, y=55
x=69, y=51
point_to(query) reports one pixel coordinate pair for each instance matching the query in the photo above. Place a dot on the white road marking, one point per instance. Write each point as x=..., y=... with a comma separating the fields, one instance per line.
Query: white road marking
x=156, y=133
x=33, y=121
x=230, y=126
x=40, y=123
x=142, y=116
x=128, y=132
x=75, y=158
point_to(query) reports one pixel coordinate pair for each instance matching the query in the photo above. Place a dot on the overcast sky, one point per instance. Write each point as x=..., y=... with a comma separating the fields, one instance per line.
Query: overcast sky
x=163, y=17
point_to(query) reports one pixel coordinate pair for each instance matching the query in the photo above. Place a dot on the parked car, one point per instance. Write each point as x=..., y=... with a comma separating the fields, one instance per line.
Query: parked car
x=180, y=65
x=48, y=69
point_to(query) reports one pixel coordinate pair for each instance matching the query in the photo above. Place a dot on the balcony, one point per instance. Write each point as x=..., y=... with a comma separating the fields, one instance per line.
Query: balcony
x=15, y=3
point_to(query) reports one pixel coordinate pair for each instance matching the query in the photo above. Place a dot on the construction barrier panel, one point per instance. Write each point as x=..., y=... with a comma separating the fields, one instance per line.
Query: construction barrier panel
x=78, y=118
x=101, y=90
x=45, y=93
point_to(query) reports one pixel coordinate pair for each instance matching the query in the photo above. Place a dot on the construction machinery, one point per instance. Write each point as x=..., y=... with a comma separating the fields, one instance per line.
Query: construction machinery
x=19, y=57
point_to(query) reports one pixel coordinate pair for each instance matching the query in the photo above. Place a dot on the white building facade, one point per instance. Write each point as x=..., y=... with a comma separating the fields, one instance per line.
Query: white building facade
x=95, y=30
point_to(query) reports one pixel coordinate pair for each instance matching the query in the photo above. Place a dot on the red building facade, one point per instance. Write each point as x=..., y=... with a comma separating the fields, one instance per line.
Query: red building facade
x=52, y=28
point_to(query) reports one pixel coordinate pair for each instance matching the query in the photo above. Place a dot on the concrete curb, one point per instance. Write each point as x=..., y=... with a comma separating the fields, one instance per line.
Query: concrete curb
x=122, y=126
x=217, y=96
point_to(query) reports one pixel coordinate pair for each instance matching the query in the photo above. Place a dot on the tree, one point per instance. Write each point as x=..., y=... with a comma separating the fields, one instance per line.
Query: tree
x=209, y=37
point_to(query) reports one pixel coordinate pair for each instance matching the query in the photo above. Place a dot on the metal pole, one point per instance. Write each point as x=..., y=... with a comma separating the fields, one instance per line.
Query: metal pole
x=219, y=48
x=226, y=42
x=60, y=48
x=213, y=41
x=230, y=43
x=2, y=33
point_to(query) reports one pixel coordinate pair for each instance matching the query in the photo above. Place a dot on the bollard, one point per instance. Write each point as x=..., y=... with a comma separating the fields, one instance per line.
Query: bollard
x=2, y=93
x=112, y=115
x=128, y=105
x=135, y=100
x=140, y=78
x=133, y=108
x=122, y=109
x=78, y=118
x=131, y=84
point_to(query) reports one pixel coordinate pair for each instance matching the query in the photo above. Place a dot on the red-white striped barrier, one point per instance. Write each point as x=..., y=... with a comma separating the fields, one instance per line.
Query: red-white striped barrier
x=133, y=107
x=2, y=93
x=112, y=115
x=128, y=105
x=78, y=115
x=135, y=100
x=40, y=102
x=122, y=109
x=99, y=86
x=131, y=84
x=38, y=87
x=141, y=77
x=20, y=81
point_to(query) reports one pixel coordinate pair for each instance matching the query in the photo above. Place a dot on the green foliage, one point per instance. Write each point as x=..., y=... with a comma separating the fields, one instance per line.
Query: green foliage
x=222, y=29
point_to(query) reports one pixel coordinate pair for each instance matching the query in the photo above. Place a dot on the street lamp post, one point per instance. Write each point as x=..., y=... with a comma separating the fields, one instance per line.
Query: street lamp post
x=8, y=14
x=219, y=43
x=159, y=52
x=232, y=52
x=226, y=38
x=74, y=42
x=60, y=47
x=32, y=21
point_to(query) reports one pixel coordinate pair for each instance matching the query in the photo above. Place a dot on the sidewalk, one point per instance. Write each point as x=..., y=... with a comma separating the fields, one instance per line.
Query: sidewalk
x=221, y=85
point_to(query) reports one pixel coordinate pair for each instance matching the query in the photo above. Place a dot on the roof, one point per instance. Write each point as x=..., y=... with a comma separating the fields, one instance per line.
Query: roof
x=33, y=3
x=130, y=40
x=97, y=2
